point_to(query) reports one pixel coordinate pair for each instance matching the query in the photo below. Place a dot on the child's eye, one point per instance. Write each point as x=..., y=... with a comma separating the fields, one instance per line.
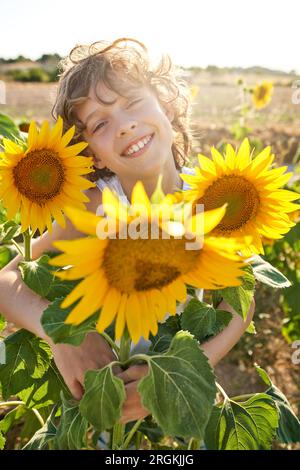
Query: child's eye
x=101, y=124
x=133, y=102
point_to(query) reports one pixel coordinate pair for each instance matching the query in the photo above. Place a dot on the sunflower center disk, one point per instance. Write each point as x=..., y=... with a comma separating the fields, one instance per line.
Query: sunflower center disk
x=241, y=196
x=144, y=264
x=39, y=176
x=262, y=93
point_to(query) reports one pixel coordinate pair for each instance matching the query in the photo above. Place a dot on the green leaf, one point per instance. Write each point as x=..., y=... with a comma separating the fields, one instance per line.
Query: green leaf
x=27, y=359
x=240, y=297
x=8, y=231
x=266, y=273
x=199, y=319
x=162, y=340
x=8, y=128
x=46, y=390
x=150, y=429
x=44, y=435
x=5, y=256
x=179, y=389
x=53, y=323
x=202, y=320
x=289, y=425
x=102, y=401
x=223, y=318
x=249, y=425
x=12, y=417
x=60, y=288
x=37, y=275
x=251, y=328
x=72, y=429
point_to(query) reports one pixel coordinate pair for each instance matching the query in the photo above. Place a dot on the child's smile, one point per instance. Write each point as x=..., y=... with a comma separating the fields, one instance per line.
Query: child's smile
x=138, y=146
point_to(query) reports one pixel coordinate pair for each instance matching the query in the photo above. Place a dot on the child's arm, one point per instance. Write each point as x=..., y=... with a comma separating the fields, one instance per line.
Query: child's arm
x=21, y=306
x=215, y=349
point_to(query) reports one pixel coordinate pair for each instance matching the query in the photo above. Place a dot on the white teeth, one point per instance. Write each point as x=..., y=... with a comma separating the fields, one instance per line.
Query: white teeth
x=139, y=145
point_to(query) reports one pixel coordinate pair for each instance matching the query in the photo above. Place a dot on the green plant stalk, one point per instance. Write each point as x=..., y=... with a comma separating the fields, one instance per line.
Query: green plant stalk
x=131, y=433
x=221, y=389
x=27, y=245
x=110, y=342
x=18, y=247
x=119, y=428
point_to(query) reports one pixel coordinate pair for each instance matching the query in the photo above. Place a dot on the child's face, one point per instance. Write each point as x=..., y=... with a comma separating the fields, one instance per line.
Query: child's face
x=115, y=131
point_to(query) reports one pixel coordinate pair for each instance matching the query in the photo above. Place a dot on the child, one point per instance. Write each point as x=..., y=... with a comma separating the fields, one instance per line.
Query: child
x=136, y=122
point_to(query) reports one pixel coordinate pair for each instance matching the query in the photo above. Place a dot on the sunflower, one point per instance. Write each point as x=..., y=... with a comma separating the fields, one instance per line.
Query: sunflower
x=42, y=177
x=262, y=94
x=136, y=281
x=256, y=205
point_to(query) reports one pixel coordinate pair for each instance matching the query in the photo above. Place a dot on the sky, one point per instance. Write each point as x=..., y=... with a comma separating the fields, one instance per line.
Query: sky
x=194, y=32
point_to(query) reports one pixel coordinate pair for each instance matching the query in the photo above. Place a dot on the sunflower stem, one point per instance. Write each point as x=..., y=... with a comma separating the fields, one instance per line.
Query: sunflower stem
x=119, y=428
x=27, y=245
x=125, y=344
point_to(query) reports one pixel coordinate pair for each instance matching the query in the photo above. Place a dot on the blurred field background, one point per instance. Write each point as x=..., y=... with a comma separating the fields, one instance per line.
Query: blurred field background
x=30, y=92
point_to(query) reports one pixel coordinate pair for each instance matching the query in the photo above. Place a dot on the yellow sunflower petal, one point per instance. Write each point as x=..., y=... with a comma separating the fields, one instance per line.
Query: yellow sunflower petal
x=133, y=317
x=11, y=147
x=32, y=135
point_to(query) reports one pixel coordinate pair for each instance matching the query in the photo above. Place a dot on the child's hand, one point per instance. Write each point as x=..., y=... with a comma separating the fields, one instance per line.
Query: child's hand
x=132, y=407
x=74, y=361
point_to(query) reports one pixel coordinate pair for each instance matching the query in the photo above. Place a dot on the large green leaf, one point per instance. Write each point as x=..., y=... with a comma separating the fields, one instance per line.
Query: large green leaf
x=249, y=425
x=199, y=319
x=46, y=390
x=8, y=128
x=202, y=320
x=266, y=273
x=72, y=429
x=289, y=425
x=162, y=340
x=53, y=323
x=240, y=297
x=102, y=401
x=179, y=389
x=37, y=275
x=27, y=359
x=44, y=436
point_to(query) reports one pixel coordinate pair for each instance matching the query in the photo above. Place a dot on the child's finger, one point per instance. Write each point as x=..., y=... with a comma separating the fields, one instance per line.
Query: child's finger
x=76, y=389
x=133, y=373
x=132, y=407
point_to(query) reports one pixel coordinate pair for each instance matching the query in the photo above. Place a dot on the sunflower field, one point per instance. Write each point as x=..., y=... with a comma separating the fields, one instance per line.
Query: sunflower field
x=245, y=244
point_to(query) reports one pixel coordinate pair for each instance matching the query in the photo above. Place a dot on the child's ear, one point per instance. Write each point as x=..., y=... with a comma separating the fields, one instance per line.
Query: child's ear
x=97, y=162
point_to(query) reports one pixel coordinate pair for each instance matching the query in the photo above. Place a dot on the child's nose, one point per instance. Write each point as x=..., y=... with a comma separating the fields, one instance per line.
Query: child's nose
x=127, y=128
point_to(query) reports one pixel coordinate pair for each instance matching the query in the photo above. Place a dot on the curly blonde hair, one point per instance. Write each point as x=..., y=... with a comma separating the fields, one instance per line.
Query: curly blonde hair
x=125, y=58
